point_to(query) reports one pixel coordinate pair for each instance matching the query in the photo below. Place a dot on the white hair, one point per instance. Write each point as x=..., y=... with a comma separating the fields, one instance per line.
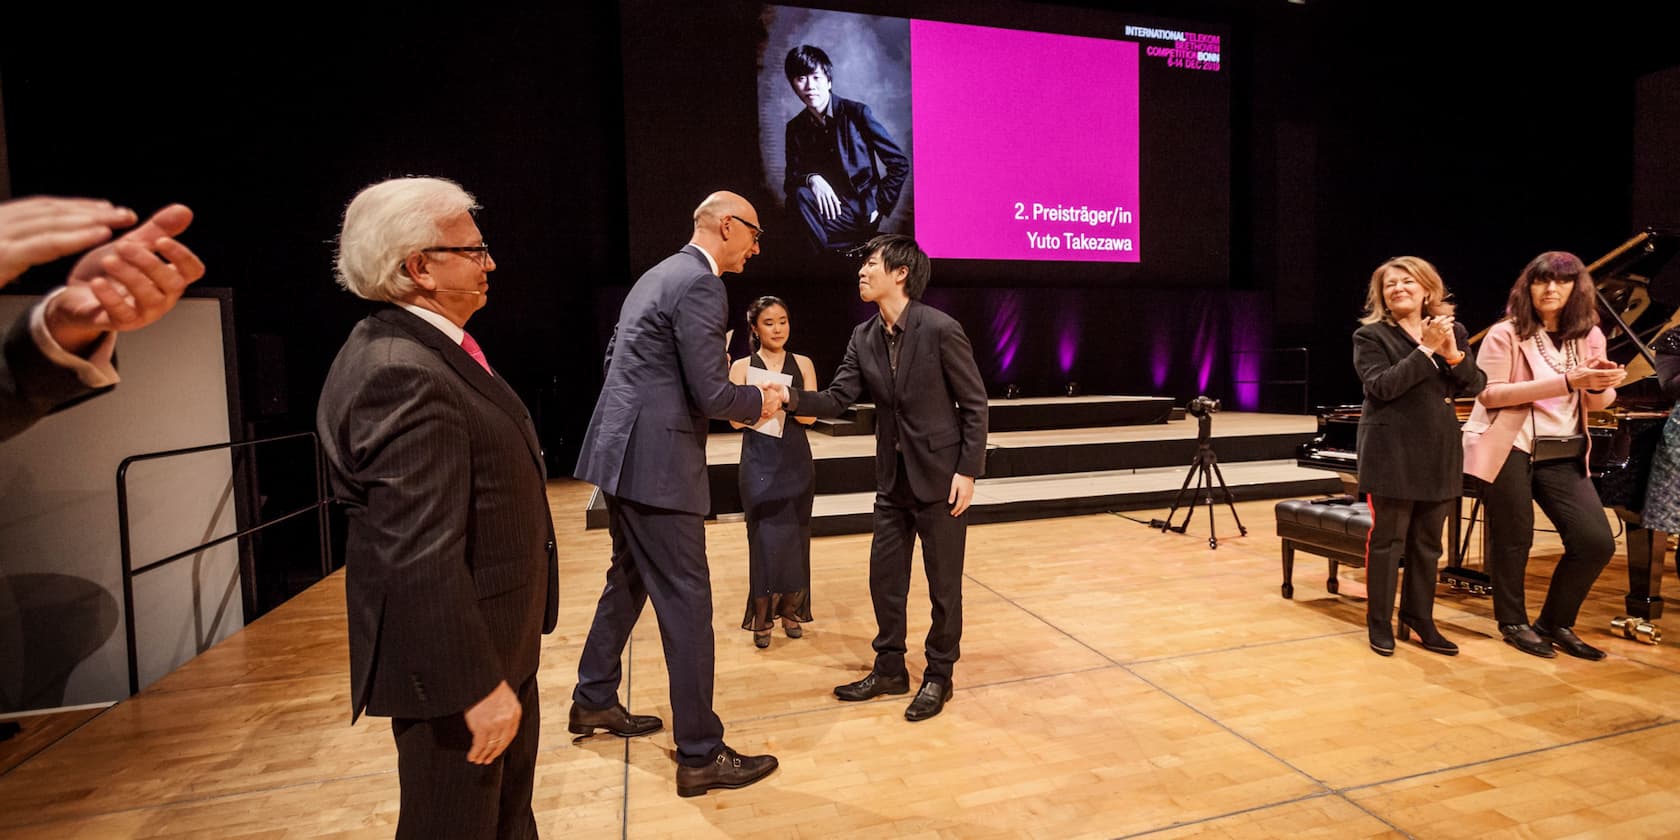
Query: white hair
x=387, y=222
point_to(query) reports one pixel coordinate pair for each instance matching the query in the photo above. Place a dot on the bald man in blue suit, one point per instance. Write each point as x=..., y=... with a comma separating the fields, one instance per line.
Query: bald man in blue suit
x=666, y=373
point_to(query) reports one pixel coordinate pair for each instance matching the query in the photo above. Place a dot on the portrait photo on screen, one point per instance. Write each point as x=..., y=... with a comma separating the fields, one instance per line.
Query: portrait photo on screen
x=1023, y=145
x=835, y=125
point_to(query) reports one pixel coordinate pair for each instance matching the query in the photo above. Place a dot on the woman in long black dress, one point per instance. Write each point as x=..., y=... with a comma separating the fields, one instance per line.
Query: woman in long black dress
x=778, y=482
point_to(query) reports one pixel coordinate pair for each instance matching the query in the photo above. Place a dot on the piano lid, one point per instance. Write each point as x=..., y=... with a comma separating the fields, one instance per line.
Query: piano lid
x=1643, y=260
x=1639, y=296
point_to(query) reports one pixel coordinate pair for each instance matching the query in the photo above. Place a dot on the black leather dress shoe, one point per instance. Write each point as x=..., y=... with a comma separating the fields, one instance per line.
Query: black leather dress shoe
x=615, y=719
x=1568, y=642
x=729, y=770
x=873, y=685
x=930, y=701
x=1523, y=638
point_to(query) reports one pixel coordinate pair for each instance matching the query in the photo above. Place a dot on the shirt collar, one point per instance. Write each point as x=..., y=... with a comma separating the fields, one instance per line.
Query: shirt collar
x=444, y=325
x=709, y=259
x=903, y=323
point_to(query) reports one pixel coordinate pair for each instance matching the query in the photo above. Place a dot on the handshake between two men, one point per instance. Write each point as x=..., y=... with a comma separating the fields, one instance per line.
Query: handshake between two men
x=775, y=398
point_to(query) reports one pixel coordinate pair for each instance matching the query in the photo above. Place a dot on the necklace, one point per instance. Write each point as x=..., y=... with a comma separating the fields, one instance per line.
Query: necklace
x=1564, y=365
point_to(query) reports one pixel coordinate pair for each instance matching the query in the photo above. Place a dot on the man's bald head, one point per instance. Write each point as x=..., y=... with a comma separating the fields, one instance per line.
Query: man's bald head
x=711, y=212
x=726, y=226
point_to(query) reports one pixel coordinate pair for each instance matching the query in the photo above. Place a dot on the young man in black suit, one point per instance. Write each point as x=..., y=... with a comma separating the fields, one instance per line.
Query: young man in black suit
x=917, y=365
x=836, y=151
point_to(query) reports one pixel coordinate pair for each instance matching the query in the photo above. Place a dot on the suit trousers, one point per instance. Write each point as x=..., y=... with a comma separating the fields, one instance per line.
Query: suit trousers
x=1567, y=497
x=659, y=554
x=444, y=795
x=1403, y=528
x=848, y=230
x=899, y=519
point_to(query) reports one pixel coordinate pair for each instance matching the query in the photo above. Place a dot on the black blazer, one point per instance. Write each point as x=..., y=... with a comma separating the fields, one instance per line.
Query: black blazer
x=1409, y=441
x=934, y=408
x=32, y=385
x=859, y=138
x=451, y=574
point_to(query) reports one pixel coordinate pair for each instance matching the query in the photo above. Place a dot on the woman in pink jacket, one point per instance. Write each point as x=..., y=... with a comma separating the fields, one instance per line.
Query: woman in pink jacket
x=1526, y=441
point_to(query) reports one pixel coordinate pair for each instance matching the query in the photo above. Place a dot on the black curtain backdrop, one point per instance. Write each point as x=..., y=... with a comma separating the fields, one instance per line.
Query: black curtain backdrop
x=266, y=130
x=1360, y=131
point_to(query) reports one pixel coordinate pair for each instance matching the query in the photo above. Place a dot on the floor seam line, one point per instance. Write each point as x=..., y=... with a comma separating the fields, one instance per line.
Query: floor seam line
x=198, y=800
x=1146, y=681
x=31, y=757
x=1520, y=754
x=1226, y=815
x=624, y=799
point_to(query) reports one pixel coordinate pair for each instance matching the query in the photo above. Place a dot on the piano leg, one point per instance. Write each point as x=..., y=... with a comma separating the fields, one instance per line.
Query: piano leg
x=1645, y=549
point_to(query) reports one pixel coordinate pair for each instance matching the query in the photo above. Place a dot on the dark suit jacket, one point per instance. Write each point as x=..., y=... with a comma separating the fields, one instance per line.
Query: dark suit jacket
x=1408, y=429
x=859, y=139
x=451, y=575
x=933, y=408
x=666, y=373
x=31, y=385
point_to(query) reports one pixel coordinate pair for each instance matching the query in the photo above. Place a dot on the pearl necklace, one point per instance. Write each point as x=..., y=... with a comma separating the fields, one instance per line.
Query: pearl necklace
x=1563, y=365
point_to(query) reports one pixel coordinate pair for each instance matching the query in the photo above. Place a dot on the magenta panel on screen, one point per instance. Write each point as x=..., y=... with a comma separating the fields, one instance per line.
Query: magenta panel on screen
x=1026, y=144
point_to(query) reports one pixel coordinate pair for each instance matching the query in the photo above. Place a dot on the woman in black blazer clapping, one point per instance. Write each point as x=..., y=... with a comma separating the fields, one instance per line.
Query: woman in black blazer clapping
x=1413, y=360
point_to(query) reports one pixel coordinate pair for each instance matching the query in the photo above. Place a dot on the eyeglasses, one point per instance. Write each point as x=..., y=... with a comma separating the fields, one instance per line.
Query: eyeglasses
x=1548, y=281
x=477, y=253
x=758, y=232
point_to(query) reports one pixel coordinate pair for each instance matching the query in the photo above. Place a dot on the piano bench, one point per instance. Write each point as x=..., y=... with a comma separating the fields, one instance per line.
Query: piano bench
x=1335, y=528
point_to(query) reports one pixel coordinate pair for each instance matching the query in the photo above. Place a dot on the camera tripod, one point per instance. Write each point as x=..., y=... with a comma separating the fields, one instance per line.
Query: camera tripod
x=1204, y=468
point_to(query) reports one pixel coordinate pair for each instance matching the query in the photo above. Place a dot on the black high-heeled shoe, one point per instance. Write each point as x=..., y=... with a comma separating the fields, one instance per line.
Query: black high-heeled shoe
x=1432, y=641
x=1381, y=636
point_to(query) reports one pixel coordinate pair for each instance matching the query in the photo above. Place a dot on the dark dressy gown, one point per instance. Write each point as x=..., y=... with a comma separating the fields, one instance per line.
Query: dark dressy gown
x=778, y=482
x=1662, y=496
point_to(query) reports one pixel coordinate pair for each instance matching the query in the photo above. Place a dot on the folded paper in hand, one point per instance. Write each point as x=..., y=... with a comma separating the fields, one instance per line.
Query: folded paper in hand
x=759, y=376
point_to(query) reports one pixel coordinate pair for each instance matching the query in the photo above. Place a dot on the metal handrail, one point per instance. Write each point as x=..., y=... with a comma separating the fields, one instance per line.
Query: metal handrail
x=129, y=572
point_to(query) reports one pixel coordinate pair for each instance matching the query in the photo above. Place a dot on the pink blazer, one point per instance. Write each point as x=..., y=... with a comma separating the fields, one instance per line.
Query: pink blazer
x=1502, y=409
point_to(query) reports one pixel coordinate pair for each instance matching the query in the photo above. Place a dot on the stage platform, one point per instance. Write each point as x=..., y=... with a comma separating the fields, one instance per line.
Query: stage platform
x=1031, y=413
x=1050, y=472
x=1115, y=681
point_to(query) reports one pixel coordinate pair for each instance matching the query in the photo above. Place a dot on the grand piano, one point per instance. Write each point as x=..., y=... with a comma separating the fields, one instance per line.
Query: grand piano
x=1639, y=299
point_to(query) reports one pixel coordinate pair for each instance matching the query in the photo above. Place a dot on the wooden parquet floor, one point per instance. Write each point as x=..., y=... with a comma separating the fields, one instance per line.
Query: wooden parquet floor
x=1115, y=682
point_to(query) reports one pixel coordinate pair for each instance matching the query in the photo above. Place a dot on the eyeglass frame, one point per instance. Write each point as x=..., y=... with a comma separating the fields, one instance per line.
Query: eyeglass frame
x=758, y=232
x=479, y=253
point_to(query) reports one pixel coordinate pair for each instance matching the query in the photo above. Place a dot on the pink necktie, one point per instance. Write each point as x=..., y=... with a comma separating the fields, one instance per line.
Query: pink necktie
x=473, y=350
